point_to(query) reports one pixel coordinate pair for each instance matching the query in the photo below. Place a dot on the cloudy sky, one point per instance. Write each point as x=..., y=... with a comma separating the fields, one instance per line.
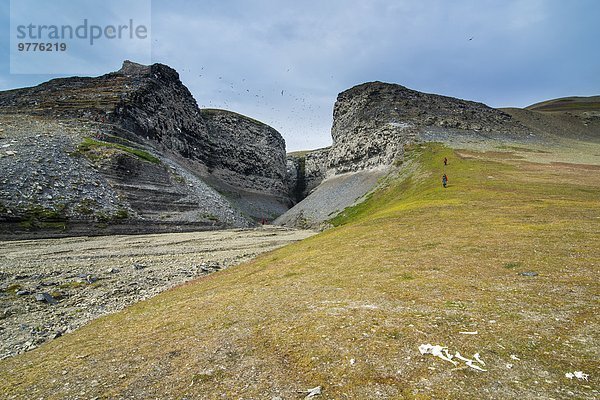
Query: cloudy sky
x=284, y=62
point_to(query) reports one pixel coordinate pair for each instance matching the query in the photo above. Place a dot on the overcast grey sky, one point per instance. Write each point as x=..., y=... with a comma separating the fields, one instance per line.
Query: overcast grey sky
x=284, y=62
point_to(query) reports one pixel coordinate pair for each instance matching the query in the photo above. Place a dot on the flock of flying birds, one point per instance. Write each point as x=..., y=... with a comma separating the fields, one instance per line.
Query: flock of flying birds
x=286, y=107
x=281, y=107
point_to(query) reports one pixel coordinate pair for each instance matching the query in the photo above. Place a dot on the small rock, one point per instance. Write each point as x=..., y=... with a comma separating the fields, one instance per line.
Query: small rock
x=89, y=278
x=112, y=270
x=45, y=297
x=528, y=273
x=23, y=292
x=139, y=266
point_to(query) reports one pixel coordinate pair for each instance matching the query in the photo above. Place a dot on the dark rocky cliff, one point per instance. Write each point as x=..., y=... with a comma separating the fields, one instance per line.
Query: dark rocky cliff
x=305, y=171
x=156, y=161
x=248, y=163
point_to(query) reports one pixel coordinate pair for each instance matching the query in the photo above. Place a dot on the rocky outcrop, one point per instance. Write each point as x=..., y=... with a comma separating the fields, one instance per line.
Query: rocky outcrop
x=157, y=160
x=248, y=163
x=294, y=172
x=315, y=169
x=372, y=123
x=305, y=171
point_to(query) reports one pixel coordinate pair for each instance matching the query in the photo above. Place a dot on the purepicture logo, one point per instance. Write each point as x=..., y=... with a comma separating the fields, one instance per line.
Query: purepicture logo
x=79, y=40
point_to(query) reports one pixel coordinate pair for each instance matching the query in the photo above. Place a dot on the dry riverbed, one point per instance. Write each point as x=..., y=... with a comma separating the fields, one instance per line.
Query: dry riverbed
x=50, y=287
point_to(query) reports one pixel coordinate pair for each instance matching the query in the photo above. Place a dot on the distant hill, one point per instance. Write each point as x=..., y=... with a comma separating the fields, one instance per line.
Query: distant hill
x=575, y=103
x=567, y=117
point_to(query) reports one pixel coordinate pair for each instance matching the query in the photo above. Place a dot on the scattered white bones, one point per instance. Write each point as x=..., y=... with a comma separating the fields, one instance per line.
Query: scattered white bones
x=577, y=374
x=442, y=352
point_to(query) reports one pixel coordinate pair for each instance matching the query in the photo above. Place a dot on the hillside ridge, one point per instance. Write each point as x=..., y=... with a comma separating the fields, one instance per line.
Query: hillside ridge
x=132, y=152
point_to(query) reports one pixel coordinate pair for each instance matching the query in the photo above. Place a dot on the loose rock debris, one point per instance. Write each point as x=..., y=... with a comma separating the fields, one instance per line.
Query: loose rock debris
x=442, y=352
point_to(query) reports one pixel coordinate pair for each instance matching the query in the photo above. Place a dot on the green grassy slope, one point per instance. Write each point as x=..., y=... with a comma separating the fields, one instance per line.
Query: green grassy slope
x=347, y=309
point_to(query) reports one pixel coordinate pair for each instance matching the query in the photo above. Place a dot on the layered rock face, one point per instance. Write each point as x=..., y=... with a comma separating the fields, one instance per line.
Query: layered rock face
x=306, y=171
x=156, y=160
x=373, y=121
x=162, y=110
x=315, y=169
x=248, y=163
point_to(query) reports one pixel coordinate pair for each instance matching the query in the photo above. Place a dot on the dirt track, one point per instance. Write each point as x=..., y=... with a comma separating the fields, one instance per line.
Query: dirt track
x=91, y=277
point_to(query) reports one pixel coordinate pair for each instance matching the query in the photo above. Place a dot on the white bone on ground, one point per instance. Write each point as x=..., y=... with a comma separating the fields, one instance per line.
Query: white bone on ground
x=469, y=333
x=448, y=355
x=457, y=355
x=513, y=357
x=425, y=348
x=581, y=375
x=479, y=360
x=313, y=392
x=437, y=352
x=477, y=367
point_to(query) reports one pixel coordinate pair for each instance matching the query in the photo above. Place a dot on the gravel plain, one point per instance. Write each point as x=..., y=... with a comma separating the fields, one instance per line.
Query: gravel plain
x=50, y=287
